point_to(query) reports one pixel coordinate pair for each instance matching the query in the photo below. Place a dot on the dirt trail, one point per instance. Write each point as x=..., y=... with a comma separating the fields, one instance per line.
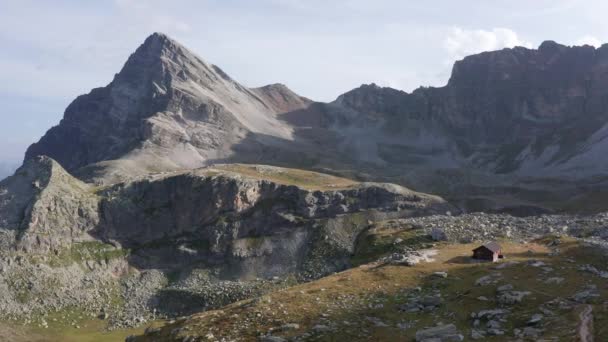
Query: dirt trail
x=585, y=328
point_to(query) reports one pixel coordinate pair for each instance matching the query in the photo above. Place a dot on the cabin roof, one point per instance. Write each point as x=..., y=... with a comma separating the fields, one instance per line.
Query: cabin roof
x=492, y=246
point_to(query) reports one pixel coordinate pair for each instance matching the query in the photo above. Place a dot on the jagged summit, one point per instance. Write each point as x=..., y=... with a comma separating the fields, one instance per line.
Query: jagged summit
x=165, y=60
x=157, y=44
x=166, y=109
x=160, y=46
x=549, y=45
x=161, y=39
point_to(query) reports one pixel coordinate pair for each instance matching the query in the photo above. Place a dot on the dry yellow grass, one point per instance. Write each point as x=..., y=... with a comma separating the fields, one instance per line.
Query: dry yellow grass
x=305, y=179
x=354, y=298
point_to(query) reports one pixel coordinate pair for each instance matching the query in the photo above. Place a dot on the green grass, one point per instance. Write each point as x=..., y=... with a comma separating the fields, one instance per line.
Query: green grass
x=69, y=324
x=96, y=250
x=80, y=252
x=379, y=241
x=90, y=330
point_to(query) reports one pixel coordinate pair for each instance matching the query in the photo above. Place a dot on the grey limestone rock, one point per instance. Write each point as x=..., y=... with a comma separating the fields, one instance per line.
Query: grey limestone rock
x=440, y=333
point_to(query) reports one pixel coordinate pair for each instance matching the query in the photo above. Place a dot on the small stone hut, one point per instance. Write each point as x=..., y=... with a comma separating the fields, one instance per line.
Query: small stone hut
x=490, y=251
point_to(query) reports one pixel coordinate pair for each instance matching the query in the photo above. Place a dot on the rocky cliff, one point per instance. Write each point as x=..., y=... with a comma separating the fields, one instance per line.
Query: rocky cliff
x=43, y=208
x=248, y=226
x=223, y=214
x=180, y=237
x=520, y=111
x=512, y=127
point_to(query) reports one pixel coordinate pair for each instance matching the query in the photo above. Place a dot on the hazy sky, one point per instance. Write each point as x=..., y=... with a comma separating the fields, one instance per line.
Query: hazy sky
x=53, y=51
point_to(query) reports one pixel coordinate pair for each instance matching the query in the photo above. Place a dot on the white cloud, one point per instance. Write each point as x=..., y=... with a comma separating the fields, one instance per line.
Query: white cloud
x=462, y=42
x=589, y=40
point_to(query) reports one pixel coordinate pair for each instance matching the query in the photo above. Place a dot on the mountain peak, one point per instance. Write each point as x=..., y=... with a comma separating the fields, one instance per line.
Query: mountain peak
x=551, y=47
x=158, y=35
x=158, y=42
x=161, y=58
x=151, y=55
x=167, y=106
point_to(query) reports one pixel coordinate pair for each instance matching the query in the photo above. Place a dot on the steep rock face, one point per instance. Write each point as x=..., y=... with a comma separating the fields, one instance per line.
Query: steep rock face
x=181, y=204
x=515, y=128
x=246, y=227
x=167, y=109
x=510, y=111
x=43, y=208
x=240, y=221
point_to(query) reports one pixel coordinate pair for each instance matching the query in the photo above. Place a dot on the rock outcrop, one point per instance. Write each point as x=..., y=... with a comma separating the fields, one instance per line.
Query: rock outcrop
x=222, y=233
x=43, y=208
x=246, y=226
x=212, y=214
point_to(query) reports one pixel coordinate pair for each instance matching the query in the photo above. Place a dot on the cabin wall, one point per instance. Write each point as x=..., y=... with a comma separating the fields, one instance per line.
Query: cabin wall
x=485, y=254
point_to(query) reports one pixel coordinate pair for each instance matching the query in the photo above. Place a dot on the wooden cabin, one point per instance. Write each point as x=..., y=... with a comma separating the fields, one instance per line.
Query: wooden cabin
x=490, y=251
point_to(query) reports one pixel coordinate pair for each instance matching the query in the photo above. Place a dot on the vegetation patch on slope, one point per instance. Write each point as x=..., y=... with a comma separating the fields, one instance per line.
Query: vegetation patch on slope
x=301, y=178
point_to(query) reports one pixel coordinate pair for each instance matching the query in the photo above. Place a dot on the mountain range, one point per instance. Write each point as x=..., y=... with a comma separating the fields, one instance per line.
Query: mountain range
x=175, y=190
x=517, y=129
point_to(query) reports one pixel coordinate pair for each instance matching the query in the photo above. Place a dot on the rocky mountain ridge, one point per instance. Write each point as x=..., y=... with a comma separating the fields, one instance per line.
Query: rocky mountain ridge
x=508, y=111
x=512, y=128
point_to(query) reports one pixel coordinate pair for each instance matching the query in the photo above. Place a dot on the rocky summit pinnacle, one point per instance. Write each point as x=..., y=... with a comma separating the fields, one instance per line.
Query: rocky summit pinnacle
x=166, y=109
x=169, y=60
x=158, y=42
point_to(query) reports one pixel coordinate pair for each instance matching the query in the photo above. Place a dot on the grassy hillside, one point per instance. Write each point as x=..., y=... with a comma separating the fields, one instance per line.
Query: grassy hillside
x=367, y=303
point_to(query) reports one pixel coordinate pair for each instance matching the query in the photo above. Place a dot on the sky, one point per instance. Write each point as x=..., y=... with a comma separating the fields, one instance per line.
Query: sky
x=53, y=51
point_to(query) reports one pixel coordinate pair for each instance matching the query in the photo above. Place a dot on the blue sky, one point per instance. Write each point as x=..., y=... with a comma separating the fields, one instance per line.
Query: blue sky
x=53, y=51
